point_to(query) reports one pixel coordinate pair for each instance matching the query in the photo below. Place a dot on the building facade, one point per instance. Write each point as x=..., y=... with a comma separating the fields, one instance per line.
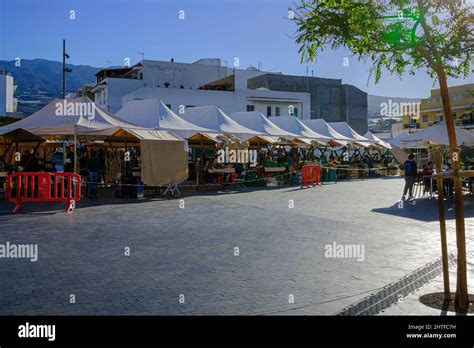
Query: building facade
x=207, y=81
x=113, y=84
x=7, y=102
x=270, y=103
x=330, y=99
x=431, y=108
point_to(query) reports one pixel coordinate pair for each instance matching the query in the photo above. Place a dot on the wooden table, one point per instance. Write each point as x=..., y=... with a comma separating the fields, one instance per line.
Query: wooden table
x=274, y=169
x=221, y=170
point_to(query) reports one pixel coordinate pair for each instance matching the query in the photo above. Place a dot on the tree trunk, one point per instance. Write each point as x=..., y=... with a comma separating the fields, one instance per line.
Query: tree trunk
x=462, y=298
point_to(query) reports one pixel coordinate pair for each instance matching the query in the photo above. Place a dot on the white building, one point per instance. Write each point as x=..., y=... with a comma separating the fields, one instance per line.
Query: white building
x=7, y=102
x=203, y=82
x=270, y=103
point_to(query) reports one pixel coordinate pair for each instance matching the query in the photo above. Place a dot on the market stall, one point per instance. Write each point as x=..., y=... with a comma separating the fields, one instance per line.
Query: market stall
x=153, y=113
x=72, y=128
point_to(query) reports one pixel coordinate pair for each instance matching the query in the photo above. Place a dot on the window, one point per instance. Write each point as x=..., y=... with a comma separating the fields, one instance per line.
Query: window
x=269, y=111
x=277, y=111
x=250, y=107
x=190, y=106
x=425, y=118
x=295, y=112
x=454, y=115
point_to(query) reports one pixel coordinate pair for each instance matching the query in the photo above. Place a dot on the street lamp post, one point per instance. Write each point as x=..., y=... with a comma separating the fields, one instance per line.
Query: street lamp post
x=65, y=69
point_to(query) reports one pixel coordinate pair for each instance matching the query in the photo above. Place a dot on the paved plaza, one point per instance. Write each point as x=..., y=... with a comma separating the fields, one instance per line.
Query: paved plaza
x=259, y=251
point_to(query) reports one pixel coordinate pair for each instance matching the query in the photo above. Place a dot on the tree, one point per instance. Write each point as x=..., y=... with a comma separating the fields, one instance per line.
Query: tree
x=400, y=36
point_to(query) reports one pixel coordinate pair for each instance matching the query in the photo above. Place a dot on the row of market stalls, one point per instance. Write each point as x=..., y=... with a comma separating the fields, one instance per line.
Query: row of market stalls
x=166, y=146
x=284, y=143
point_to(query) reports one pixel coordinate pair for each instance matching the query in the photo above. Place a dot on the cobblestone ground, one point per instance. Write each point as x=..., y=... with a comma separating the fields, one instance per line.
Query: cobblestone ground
x=191, y=251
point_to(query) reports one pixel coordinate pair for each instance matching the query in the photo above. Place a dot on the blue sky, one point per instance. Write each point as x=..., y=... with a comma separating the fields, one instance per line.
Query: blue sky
x=104, y=32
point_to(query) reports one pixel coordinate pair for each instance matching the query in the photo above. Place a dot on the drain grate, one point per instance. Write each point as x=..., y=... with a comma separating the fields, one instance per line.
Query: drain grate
x=397, y=290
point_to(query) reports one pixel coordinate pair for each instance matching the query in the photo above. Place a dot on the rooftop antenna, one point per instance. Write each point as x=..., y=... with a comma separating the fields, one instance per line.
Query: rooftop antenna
x=259, y=65
x=142, y=53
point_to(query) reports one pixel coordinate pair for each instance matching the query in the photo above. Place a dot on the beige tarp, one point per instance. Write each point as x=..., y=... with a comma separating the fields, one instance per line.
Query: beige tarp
x=163, y=162
x=399, y=154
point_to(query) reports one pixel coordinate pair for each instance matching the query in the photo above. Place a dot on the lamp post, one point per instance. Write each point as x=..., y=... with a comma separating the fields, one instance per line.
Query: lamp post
x=65, y=69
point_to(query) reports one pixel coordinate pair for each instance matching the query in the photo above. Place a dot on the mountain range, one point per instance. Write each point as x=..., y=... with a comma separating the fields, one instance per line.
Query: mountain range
x=40, y=80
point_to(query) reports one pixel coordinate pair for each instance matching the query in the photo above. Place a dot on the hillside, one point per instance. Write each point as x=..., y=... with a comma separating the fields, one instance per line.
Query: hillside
x=40, y=80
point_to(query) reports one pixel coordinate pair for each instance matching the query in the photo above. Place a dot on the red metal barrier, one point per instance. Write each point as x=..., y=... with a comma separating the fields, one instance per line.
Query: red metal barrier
x=43, y=187
x=310, y=173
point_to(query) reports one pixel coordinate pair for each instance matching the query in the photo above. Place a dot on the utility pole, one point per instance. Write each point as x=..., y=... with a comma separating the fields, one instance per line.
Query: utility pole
x=65, y=70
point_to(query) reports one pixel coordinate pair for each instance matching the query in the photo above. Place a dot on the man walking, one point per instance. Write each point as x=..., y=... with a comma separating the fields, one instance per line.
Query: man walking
x=411, y=173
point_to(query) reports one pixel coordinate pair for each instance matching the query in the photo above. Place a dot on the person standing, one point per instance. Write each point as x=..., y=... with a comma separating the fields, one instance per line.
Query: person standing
x=93, y=168
x=411, y=173
x=58, y=160
x=427, y=177
x=449, y=183
x=69, y=161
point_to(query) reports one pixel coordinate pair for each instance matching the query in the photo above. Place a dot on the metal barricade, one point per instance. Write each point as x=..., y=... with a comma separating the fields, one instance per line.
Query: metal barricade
x=43, y=187
x=310, y=174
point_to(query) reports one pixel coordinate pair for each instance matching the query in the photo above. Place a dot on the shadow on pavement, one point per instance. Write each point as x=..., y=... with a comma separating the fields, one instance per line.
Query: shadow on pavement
x=427, y=209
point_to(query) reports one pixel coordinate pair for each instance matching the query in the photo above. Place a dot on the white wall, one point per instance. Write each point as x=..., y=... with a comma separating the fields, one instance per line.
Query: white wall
x=157, y=73
x=191, y=77
x=110, y=98
x=229, y=102
x=6, y=94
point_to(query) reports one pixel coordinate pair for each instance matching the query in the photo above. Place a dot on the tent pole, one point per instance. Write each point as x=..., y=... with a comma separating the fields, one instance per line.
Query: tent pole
x=75, y=150
x=64, y=154
x=16, y=143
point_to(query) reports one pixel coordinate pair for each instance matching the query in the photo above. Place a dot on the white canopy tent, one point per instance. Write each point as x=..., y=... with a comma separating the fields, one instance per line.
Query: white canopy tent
x=322, y=127
x=376, y=140
x=61, y=118
x=69, y=118
x=396, y=149
x=347, y=131
x=396, y=142
x=153, y=113
x=435, y=135
x=295, y=126
x=214, y=119
x=257, y=122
